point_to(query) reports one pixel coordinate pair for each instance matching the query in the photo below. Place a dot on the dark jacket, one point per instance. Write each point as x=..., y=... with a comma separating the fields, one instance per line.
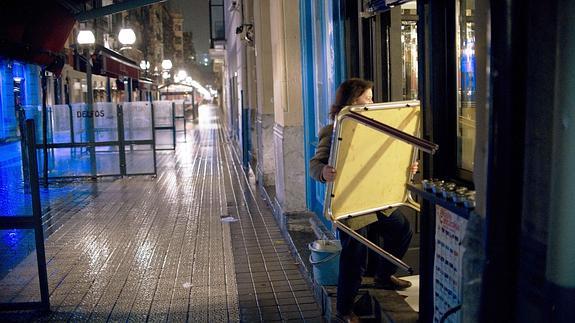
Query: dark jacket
x=321, y=157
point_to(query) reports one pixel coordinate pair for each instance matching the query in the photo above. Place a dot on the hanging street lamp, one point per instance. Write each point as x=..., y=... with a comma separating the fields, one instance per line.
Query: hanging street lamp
x=127, y=36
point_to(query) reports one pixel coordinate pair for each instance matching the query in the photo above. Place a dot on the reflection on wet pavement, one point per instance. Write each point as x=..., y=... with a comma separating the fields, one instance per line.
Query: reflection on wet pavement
x=142, y=248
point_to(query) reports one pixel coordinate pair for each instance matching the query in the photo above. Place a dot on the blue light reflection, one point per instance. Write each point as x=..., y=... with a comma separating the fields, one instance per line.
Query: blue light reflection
x=15, y=200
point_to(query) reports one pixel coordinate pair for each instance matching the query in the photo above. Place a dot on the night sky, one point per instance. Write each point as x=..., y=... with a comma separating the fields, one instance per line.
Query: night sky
x=196, y=19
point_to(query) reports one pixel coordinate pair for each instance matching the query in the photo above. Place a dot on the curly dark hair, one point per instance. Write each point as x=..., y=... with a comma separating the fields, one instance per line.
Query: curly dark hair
x=347, y=92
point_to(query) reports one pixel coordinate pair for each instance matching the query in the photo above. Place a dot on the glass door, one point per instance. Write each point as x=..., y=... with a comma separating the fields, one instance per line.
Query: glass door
x=465, y=49
x=409, y=51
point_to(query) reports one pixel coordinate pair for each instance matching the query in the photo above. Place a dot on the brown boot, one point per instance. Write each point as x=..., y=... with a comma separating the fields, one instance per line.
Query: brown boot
x=392, y=283
x=349, y=318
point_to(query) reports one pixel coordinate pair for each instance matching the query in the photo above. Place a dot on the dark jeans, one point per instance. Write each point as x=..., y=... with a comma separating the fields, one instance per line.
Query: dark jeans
x=394, y=231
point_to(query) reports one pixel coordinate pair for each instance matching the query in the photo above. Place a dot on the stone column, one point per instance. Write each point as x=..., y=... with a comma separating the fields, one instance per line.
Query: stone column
x=265, y=171
x=287, y=103
x=234, y=80
x=251, y=98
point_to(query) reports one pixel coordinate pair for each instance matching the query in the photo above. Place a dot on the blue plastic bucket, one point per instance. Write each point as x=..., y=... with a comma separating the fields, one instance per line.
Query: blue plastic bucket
x=325, y=260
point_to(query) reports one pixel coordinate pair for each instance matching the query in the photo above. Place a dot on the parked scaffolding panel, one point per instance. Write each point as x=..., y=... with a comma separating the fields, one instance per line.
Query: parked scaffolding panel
x=107, y=145
x=180, y=119
x=140, y=150
x=62, y=124
x=164, y=125
x=90, y=142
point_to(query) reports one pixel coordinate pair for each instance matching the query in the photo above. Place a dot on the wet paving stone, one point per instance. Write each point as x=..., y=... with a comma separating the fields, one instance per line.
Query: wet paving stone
x=141, y=249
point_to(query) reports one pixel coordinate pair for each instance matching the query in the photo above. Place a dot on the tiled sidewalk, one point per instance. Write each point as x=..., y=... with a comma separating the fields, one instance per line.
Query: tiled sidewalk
x=195, y=244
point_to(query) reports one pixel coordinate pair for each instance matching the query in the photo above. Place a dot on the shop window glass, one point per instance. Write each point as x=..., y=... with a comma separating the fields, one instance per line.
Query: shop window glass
x=322, y=102
x=409, y=50
x=465, y=44
x=409, y=61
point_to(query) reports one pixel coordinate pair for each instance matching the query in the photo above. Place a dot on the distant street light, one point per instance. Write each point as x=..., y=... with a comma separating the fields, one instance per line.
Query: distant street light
x=182, y=74
x=166, y=67
x=145, y=65
x=127, y=36
x=86, y=37
x=166, y=64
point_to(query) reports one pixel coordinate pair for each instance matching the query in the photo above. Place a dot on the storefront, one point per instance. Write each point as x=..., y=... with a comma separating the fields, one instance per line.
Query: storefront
x=19, y=91
x=393, y=47
x=323, y=68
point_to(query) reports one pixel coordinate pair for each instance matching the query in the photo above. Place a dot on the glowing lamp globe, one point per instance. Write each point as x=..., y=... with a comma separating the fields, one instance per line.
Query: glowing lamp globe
x=86, y=37
x=127, y=36
x=167, y=64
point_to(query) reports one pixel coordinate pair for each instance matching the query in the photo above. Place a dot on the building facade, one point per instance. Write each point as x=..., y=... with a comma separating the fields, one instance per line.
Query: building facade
x=465, y=61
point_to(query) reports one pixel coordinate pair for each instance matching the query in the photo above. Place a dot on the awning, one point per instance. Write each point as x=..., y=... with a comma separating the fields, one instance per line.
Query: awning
x=176, y=89
x=146, y=84
x=35, y=31
x=114, y=64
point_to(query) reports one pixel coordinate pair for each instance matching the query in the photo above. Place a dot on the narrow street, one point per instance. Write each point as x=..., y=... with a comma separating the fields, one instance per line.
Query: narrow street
x=197, y=243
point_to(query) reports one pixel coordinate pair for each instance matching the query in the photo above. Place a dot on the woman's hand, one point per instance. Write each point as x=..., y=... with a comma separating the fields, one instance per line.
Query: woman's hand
x=414, y=168
x=328, y=173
